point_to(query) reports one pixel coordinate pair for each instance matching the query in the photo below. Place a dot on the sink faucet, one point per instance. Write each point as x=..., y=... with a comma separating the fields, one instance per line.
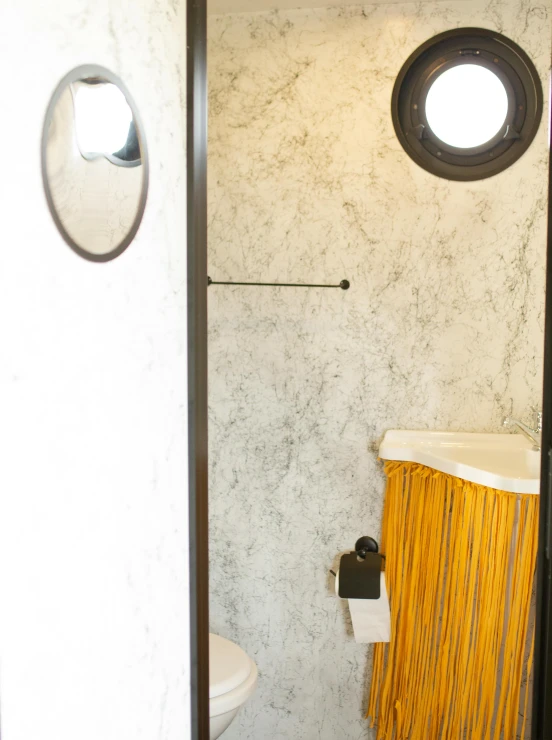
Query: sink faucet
x=533, y=435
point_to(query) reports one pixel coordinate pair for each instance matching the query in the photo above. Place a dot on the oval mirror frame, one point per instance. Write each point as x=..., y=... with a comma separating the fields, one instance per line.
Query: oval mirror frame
x=77, y=74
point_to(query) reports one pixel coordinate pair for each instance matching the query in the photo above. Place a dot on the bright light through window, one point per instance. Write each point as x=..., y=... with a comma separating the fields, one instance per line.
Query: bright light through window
x=102, y=118
x=466, y=106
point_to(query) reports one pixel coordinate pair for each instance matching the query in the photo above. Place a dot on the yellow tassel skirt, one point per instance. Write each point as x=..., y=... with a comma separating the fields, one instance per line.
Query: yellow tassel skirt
x=460, y=565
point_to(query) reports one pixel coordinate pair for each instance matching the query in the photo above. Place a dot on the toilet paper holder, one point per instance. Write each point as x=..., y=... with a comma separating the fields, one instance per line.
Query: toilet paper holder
x=360, y=571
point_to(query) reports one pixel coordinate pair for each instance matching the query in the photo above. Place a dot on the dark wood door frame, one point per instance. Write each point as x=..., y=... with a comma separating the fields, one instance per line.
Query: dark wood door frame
x=196, y=99
x=542, y=698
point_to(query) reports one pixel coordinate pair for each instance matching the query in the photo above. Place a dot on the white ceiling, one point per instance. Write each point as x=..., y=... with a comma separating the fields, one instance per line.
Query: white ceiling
x=219, y=7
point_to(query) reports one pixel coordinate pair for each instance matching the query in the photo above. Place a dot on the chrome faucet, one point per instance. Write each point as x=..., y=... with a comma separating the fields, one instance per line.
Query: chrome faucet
x=533, y=435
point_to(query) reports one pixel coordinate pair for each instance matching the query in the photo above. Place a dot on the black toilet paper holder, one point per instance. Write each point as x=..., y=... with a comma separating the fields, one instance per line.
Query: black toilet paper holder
x=360, y=571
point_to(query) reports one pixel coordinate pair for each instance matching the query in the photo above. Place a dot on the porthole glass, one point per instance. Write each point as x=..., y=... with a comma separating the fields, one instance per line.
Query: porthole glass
x=467, y=104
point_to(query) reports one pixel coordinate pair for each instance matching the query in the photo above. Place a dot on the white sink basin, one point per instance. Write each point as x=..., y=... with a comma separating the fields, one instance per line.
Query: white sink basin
x=503, y=461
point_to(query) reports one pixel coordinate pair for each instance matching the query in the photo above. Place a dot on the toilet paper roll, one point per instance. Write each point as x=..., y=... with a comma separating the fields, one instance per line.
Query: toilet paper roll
x=371, y=617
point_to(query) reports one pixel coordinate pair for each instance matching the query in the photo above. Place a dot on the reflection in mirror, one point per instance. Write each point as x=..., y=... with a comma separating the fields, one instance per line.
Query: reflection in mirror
x=94, y=163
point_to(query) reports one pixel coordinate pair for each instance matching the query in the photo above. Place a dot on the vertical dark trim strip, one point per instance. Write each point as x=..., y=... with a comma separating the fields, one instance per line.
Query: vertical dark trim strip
x=542, y=697
x=196, y=95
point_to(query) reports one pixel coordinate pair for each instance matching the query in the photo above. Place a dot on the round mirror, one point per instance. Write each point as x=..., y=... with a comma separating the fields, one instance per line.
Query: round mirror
x=94, y=163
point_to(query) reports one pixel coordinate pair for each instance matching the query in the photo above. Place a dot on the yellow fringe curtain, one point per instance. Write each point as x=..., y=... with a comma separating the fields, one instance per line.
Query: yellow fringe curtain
x=460, y=564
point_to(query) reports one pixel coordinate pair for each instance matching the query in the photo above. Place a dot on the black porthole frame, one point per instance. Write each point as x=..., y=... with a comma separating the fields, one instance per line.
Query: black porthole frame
x=450, y=49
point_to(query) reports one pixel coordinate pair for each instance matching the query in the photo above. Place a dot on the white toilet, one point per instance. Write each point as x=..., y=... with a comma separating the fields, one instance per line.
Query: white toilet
x=232, y=680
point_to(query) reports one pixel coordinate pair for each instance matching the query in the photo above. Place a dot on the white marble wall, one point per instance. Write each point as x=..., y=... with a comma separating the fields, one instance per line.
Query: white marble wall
x=441, y=329
x=94, y=619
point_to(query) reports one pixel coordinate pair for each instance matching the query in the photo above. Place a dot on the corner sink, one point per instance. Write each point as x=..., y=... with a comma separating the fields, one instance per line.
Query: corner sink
x=504, y=461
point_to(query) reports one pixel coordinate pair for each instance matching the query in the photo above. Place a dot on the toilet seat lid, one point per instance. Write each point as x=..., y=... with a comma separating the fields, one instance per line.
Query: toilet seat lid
x=229, y=666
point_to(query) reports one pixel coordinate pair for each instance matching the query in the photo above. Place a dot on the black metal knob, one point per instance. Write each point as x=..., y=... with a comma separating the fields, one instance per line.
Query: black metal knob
x=365, y=545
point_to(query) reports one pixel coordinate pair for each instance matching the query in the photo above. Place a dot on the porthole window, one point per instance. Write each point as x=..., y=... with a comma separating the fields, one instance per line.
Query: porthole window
x=467, y=104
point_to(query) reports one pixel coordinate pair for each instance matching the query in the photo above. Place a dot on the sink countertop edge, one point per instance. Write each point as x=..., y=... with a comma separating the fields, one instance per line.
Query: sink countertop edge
x=423, y=447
